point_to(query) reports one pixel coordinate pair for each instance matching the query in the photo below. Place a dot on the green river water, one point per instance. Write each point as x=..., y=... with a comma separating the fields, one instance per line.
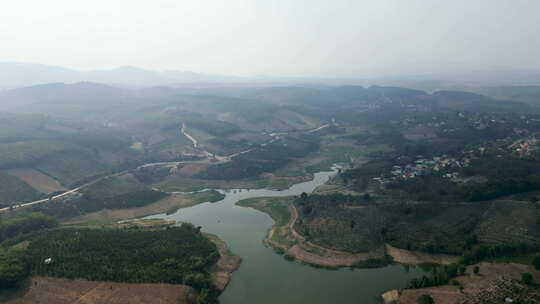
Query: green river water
x=265, y=277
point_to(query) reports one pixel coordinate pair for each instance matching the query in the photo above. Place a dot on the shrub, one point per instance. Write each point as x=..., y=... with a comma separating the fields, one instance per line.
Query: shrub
x=526, y=278
x=425, y=299
x=536, y=262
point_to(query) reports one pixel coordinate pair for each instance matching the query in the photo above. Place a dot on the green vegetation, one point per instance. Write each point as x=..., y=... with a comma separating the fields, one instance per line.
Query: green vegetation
x=178, y=255
x=21, y=154
x=90, y=203
x=374, y=263
x=111, y=186
x=425, y=299
x=209, y=196
x=483, y=252
x=70, y=167
x=15, y=228
x=214, y=127
x=360, y=223
x=536, y=262
x=13, y=268
x=263, y=159
x=15, y=190
x=505, y=176
x=440, y=275
x=152, y=174
x=527, y=278
x=277, y=208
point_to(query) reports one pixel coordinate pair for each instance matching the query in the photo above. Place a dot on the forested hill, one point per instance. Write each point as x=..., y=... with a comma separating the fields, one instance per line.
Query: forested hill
x=178, y=255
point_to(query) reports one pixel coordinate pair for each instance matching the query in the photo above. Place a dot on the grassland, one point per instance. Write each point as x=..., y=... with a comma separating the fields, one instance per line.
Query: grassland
x=275, y=207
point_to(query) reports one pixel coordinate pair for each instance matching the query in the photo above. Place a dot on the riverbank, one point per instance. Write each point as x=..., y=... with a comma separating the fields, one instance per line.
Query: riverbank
x=167, y=204
x=227, y=264
x=184, y=183
x=284, y=239
x=416, y=257
x=38, y=289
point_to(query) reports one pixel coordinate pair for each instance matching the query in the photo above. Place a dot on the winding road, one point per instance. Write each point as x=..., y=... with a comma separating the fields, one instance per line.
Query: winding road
x=210, y=158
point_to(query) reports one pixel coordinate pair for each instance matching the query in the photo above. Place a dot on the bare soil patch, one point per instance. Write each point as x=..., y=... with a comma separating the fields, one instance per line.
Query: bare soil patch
x=190, y=170
x=62, y=129
x=225, y=266
x=64, y=291
x=416, y=257
x=39, y=181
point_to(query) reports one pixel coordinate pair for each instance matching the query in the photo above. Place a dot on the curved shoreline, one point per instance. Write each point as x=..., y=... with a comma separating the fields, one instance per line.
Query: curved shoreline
x=227, y=264
x=295, y=247
x=284, y=239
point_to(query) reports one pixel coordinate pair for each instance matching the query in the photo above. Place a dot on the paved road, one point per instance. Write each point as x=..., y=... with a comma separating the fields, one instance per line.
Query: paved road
x=209, y=156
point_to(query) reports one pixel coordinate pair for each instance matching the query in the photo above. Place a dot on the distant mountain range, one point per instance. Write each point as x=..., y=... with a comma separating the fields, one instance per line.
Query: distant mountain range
x=16, y=75
x=13, y=75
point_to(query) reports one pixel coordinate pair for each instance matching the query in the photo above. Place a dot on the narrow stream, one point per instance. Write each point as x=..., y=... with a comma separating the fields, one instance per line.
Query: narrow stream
x=265, y=277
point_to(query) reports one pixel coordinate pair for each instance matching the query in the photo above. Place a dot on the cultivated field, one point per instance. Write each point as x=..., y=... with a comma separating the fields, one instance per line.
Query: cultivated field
x=39, y=181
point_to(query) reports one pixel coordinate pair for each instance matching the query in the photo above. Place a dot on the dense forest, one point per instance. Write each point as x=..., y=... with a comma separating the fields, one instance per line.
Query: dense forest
x=14, y=268
x=16, y=228
x=361, y=224
x=178, y=255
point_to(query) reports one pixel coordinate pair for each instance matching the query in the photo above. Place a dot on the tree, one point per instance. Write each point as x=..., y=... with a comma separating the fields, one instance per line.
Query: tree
x=366, y=197
x=13, y=267
x=303, y=196
x=476, y=269
x=462, y=269
x=425, y=299
x=526, y=278
x=536, y=262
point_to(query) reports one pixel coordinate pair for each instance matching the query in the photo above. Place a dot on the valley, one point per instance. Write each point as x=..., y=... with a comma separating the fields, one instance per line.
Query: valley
x=347, y=186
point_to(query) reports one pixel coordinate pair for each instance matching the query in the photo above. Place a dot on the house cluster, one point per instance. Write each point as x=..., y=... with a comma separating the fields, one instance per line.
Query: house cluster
x=524, y=147
x=422, y=166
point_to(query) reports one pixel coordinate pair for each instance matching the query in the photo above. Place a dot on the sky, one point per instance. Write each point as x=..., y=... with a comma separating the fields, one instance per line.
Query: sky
x=330, y=38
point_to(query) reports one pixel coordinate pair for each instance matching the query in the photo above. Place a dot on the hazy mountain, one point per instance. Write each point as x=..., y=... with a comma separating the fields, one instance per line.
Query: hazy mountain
x=14, y=75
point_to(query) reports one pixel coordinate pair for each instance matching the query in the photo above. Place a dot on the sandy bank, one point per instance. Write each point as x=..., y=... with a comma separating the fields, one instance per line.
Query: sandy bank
x=226, y=265
x=416, y=257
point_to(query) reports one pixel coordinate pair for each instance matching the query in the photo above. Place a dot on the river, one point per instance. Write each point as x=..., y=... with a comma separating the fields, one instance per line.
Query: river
x=265, y=277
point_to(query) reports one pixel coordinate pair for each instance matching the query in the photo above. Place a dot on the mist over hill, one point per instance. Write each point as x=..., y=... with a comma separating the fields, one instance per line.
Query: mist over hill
x=16, y=75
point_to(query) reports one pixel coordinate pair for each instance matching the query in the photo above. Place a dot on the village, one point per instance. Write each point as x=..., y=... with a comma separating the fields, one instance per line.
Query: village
x=449, y=166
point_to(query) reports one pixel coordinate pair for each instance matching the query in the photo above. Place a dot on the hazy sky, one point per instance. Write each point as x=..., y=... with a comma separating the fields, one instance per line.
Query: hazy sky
x=273, y=37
